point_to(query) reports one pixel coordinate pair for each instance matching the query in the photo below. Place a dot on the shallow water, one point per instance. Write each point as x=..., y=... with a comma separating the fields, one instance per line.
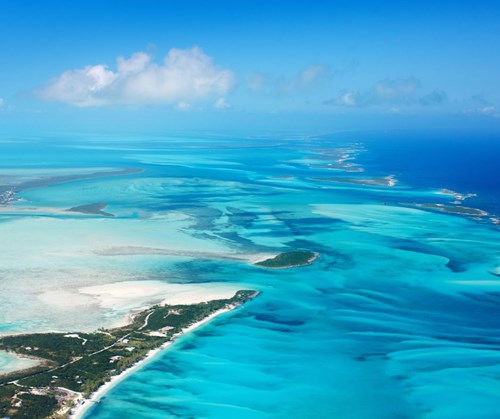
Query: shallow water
x=398, y=318
x=9, y=363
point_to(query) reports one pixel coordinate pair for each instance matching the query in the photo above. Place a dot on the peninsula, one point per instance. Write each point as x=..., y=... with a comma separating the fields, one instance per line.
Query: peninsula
x=74, y=365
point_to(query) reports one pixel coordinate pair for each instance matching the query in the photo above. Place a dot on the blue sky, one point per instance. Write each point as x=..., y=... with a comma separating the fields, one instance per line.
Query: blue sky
x=207, y=64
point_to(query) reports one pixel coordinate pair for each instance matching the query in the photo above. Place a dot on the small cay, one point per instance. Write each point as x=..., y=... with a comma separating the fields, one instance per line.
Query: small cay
x=289, y=260
x=94, y=209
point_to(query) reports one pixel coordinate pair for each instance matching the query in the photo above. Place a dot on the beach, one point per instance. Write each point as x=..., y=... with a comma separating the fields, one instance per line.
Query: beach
x=83, y=404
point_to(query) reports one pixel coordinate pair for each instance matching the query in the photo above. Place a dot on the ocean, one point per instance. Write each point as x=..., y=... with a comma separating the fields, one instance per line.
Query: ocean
x=398, y=317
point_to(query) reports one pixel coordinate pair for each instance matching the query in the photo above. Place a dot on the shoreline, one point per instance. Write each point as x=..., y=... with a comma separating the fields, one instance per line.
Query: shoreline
x=83, y=405
x=40, y=362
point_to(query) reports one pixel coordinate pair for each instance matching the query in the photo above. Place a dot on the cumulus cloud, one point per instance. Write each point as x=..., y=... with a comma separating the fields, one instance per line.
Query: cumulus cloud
x=184, y=76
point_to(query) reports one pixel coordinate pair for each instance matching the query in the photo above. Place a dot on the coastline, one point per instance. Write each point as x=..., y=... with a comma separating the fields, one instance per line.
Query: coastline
x=84, y=404
x=22, y=357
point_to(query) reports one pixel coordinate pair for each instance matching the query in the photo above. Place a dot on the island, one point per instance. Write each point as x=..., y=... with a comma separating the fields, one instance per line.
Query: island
x=72, y=366
x=289, y=260
x=93, y=209
x=449, y=209
x=459, y=197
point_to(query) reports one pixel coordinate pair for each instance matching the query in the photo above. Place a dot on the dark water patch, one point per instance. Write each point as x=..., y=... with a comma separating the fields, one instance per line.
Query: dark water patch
x=204, y=217
x=456, y=266
x=282, y=232
x=426, y=313
x=161, y=409
x=490, y=298
x=310, y=226
x=454, y=263
x=273, y=319
x=204, y=271
x=280, y=330
x=241, y=242
x=240, y=217
x=209, y=333
x=276, y=214
x=187, y=346
x=166, y=364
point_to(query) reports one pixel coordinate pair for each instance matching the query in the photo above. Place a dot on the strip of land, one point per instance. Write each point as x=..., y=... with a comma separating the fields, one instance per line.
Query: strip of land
x=449, y=209
x=389, y=181
x=78, y=364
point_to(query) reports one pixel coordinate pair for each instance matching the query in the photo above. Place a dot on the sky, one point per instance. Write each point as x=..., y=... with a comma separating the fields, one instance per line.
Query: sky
x=310, y=65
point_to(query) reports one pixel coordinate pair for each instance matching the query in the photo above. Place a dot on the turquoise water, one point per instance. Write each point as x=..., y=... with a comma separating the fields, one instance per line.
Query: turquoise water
x=398, y=318
x=10, y=362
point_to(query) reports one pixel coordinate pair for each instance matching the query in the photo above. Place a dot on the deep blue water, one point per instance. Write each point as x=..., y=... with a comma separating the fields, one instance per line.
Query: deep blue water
x=397, y=319
x=466, y=162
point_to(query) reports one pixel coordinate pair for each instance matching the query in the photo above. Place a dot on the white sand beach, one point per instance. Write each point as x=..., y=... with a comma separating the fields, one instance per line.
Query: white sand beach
x=84, y=404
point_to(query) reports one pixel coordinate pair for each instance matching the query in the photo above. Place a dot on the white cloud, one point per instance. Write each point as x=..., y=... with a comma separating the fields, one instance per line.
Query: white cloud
x=489, y=111
x=183, y=106
x=390, y=92
x=221, y=103
x=306, y=78
x=184, y=77
x=348, y=99
x=2, y=102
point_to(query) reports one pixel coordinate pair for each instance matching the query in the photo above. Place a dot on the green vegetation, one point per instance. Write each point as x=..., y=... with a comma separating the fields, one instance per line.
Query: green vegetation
x=16, y=403
x=455, y=209
x=81, y=362
x=289, y=260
